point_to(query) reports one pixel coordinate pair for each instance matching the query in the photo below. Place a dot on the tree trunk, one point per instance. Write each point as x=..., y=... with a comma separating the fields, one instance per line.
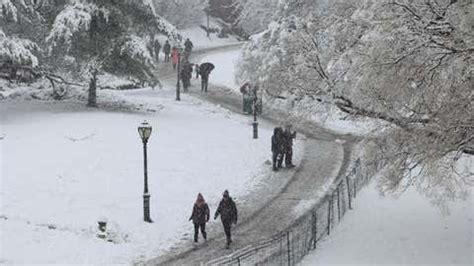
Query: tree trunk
x=92, y=99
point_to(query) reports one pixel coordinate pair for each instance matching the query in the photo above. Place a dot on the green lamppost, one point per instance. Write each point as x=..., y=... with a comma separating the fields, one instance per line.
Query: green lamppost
x=145, y=131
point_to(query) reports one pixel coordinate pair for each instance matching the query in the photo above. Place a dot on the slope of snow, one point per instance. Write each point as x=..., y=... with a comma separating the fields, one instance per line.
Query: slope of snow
x=404, y=231
x=64, y=167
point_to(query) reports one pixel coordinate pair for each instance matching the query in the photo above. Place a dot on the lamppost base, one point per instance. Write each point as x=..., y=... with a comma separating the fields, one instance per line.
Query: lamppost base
x=146, y=208
x=255, y=130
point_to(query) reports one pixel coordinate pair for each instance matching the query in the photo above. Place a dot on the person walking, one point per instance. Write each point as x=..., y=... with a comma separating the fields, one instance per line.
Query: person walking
x=288, y=136
x=167, y=50
x=277, y=148
x=188, y=46
x=204, y=71
x=228, y=212
x=156, y=49
x=200, y=216
x=174, y=57
x=186, y=74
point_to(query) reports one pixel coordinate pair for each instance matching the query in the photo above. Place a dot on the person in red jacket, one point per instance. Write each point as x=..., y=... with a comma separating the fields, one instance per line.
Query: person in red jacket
x=174, y=57
x=200, y=217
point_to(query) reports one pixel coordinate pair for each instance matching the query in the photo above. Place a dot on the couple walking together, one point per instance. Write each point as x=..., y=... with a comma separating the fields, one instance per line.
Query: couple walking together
x=201, y=214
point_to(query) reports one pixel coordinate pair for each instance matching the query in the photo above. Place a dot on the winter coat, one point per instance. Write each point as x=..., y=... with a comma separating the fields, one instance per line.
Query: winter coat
x=167, y=48
x=200, y=213
x=277, y=141
x=188, y=45
x=174, y=56
x=186, y=71
x=288, y=137
x=205, y=69
x=156, y=46
x=227, y=210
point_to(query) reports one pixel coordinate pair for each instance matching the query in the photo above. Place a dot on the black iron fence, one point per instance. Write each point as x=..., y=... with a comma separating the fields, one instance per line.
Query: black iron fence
x=290, y=246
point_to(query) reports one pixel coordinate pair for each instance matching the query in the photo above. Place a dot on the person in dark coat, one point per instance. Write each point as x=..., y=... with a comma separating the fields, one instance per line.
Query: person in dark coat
x=186, y=74
x=277, y=148
x=188, y=46
x=167, y=50
x=156, y=49
x=228, y=212
x=200, y=217
x=204, y=71
x=288, y=136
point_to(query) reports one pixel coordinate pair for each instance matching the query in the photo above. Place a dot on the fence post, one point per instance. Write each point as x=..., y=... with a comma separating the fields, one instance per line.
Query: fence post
x=315, y=229
x=349, y=192
x=238, y=261
x=355, y=188
x=338, y=204
x=329, y=215
x=288, y=247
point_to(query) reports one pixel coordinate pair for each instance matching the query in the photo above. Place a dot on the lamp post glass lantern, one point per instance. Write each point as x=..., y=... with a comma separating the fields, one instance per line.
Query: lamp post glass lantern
x=145, y=132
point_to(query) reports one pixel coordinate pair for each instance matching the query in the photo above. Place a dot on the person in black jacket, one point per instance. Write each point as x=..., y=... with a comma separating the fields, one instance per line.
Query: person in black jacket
x=200, y=217
x=167, y=51
x=288, y=136
x=156, y=49
x=228, y=212
x=204, y=71
x=277, y=148
x=186, y=74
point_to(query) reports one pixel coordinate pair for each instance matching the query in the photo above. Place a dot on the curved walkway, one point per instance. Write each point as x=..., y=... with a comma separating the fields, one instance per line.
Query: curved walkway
x=324, y=160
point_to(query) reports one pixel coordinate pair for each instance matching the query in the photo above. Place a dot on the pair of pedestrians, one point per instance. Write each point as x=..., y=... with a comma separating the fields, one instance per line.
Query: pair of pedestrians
x=282, y=147
x=227, y=211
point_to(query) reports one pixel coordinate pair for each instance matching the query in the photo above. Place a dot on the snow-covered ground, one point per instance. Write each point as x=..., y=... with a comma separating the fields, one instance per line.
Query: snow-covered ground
x=64, y=167
x=402, y=231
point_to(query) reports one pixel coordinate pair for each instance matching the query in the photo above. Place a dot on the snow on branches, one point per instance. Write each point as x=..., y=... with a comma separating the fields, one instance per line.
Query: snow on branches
x=7, y=8
x=18, y=50
x=136, y=48
x=404, y=63
x=73, y=19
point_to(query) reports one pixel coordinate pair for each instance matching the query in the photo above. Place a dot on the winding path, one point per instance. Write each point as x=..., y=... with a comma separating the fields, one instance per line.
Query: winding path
x=326, y=157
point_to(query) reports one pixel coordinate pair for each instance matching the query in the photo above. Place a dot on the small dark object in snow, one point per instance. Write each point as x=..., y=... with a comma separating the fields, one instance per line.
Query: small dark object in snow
x=3, y=217
x=51, y=227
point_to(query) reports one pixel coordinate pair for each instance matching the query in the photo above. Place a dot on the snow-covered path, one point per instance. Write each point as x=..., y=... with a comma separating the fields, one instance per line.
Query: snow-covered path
x=264, y=219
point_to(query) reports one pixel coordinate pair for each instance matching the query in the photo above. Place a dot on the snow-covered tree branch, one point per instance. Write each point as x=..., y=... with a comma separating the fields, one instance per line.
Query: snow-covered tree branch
x=406, y=63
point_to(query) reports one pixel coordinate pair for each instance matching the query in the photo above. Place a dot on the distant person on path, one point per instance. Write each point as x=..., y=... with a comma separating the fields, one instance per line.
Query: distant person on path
x=188, y=46
x=288, y=136
x=174, y=57
x=228, y=212
x=200, y=217
x=167, y=50
x=204, y=71
x=156, y=49
x=277, y=148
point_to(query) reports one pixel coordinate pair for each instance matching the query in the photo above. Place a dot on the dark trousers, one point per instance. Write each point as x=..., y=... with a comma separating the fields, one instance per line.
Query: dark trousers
x=196, y=231
x=289, y=156
x=227, y=230
x=204, y=83
x=167, y=57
